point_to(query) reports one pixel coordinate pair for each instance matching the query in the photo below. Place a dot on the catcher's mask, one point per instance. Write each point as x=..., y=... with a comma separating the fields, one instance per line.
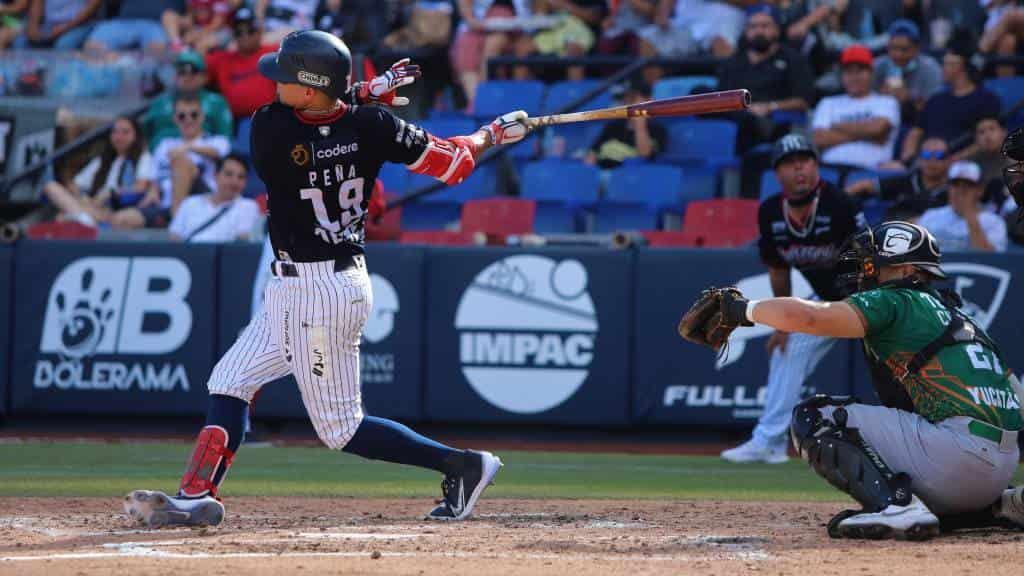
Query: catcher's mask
x=1013, y=173
x=892, y=243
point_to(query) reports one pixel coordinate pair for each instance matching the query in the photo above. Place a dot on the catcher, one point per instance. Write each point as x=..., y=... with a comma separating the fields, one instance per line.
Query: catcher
x=948, y=451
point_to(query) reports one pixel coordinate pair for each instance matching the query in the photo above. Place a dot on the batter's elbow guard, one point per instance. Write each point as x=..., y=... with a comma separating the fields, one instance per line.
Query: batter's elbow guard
x=450, y=161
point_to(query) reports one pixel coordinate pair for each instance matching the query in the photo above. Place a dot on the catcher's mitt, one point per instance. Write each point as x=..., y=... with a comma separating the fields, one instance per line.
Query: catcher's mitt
x=713, y=317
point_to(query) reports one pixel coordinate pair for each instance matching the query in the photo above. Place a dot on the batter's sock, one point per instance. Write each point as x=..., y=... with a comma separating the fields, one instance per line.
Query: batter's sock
x=387, y=440
x=230, y=414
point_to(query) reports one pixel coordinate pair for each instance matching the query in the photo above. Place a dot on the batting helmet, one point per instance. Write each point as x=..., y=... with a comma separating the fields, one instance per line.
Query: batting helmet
x=1013, y=174
x=312, y=58
x=888, y=244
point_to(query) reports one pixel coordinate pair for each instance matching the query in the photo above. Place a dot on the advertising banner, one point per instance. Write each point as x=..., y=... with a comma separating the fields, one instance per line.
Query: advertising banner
x=540, y=336
x=112, y=328
x=6, y=309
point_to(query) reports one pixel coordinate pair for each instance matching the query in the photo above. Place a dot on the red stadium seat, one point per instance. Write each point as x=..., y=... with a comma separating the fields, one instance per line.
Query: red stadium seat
x=68, y=230
x=499, y=216
x=438, y=237
x=720, y=223
x=261, y=201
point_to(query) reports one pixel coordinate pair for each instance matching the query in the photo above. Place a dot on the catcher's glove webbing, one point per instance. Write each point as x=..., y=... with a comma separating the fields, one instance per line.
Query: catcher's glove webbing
x=714, y=316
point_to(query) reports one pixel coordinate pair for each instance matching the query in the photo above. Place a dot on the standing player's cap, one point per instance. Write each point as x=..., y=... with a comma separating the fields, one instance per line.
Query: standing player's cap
x=791, y=144
x=856, y=54
x=312, y=58
x=965, y=170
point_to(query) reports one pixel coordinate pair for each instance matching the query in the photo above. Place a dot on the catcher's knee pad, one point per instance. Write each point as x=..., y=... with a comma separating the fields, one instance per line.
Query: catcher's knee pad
x=807, y=417
x=839, y=455
x=210, y=461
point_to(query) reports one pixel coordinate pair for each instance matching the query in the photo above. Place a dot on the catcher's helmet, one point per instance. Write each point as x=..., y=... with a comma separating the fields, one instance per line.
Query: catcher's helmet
x=888, y=244
x=312, y=58
x=1013, y=174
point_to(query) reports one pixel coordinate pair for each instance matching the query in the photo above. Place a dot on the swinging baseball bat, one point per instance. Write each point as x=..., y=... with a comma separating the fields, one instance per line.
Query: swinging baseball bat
x=710, y=103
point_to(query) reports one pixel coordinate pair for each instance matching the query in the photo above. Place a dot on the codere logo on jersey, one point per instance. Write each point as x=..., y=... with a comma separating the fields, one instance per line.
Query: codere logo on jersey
x=527, y=329
x=102, y=309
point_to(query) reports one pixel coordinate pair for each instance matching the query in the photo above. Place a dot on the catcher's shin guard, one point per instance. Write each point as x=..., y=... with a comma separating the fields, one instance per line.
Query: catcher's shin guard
x=840, y=456
x=208, y=465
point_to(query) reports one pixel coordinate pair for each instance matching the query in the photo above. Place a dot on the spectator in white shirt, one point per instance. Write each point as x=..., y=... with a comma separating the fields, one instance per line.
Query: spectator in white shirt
x=964, y=224
x=857, y=128
x=222, y=215
x=184, y=166
x=118, y=177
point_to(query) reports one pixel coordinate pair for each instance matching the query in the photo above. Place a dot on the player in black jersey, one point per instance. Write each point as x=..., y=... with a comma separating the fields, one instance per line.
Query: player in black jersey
x=319, y=159
x=803, y=228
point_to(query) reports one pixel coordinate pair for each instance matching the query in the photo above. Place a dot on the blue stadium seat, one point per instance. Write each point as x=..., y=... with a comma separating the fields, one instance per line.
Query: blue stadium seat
x=566, y=181
x=874, y=210
x=858, y=175
x=658, y=186
x=243, y=129
x=578, y=137
x=482, y=183
x=612, y=216
x=1009, y=90
x=527, y=149
x=829, y=174
x=700, y=141
x=681, y=85
x=450, y=126
x=496, y=97
x=430, y=215
x=561, y=94
x=395, y=177
x=553, y=217
x=699, y=184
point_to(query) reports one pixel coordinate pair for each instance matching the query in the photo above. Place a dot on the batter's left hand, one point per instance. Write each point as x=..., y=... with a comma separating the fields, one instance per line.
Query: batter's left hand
x=508, y=128
x=382, y=89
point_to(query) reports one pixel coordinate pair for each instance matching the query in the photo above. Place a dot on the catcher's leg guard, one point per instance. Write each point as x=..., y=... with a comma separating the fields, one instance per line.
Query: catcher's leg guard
x=840, y=456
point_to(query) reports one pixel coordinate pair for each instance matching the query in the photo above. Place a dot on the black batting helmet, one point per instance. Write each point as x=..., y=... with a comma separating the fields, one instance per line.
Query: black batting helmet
x=1013, y=174
x=888, y=244
x=312, y=58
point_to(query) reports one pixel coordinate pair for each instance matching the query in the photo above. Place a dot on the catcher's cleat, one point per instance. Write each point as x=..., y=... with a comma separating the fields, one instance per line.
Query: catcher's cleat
x=460, y=492
x=756, y=450
x=1011, y=506
x=156, y=509
x=911, y=522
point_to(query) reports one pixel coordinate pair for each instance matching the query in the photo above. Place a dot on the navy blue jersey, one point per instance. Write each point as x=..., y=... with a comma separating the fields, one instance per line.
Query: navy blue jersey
x=320, y=174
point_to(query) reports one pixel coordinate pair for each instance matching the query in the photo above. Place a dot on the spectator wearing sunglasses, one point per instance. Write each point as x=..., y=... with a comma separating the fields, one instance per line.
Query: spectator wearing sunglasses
x=185, y=165
x=190, y=77
x=234, y=72
x=911, y=193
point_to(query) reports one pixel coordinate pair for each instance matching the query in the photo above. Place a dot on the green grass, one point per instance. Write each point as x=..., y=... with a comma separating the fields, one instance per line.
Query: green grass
x=94, y=469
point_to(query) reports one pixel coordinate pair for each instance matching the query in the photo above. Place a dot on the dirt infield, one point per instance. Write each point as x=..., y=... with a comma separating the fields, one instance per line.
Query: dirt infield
x=83, y=537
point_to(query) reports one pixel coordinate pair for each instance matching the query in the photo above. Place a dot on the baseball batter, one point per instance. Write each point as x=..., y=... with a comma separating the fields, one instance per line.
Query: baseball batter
x=319, y=158
x=801, y=228
x=952, y=451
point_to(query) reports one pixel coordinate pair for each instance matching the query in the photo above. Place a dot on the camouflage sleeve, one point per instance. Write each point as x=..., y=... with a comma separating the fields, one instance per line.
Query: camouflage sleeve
x=878, y=308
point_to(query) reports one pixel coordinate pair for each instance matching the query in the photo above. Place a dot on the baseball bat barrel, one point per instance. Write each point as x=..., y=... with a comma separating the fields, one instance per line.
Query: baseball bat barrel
x=709, y=103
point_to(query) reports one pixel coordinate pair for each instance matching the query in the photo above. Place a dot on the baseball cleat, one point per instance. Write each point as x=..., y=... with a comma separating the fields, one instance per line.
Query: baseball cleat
x=461, y=492
x=1011, y=506
x=156, y=509
x=911, y=522
x=757, y=450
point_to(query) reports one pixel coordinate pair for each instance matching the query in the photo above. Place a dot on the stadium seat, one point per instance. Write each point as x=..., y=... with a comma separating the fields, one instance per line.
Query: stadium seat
x=243, y=129
x=1009, y=90
x=681, y=85
x=388, y=228
x=261, y=201
x=614, y=216
x=437, y=237
x=430, y=215
x=676, y=238
x=576, y=139
x=498, y=216
x=703, y=142
x=561, y=94
x=482, y=183
x=874, y=210
x=64, y=230
x=395, y=177
x=658, y=186
x=722, y=222
x=568, y=181
x=496, y=97
x=448, y=127
x=554, y=217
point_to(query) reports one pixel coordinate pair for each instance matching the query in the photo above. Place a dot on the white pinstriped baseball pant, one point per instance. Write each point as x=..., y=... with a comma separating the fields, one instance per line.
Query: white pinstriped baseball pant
x=309, y=326
x=787, y=372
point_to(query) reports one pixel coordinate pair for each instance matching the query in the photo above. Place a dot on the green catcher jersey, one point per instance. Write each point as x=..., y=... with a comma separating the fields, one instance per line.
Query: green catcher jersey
x=965, y=379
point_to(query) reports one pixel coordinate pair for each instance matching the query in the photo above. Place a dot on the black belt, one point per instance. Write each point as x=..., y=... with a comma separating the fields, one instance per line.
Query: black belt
x=342, y=263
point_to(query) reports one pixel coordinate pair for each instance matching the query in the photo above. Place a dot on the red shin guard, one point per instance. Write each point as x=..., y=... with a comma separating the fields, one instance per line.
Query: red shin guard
x=208, y=465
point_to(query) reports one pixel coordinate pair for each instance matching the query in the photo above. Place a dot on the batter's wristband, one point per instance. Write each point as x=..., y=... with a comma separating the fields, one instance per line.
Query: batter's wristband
x=750, y=310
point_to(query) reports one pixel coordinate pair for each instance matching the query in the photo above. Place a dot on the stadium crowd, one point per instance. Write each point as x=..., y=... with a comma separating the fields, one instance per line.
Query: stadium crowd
x=906, y=101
